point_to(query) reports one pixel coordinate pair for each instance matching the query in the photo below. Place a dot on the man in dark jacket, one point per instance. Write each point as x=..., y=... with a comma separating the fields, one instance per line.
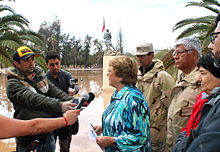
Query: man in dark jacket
x=33, y=96
x=64, y=81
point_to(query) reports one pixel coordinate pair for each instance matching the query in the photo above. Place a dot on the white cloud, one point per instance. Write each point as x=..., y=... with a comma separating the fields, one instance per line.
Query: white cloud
x=140, y=20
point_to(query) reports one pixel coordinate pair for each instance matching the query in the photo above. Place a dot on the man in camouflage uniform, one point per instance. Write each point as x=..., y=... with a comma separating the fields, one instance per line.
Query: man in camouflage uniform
x=156, y=84
x=186, y=54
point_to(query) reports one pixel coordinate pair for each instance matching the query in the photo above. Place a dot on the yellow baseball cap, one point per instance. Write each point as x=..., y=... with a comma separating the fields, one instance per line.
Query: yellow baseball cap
x=23, y=53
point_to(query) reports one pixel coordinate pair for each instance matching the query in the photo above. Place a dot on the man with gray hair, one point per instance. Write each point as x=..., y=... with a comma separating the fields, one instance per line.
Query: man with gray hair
x=156, y=85
x=186, y=54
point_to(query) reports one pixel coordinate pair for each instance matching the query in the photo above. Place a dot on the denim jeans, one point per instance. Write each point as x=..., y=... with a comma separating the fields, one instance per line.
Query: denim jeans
x=47, y=146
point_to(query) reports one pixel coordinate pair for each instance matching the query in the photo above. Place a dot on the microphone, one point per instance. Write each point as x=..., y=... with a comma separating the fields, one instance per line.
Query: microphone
x=85, y=100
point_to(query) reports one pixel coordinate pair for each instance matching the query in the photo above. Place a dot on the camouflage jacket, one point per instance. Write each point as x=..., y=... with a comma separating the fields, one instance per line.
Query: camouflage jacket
x=183, y=98
x=156, y=85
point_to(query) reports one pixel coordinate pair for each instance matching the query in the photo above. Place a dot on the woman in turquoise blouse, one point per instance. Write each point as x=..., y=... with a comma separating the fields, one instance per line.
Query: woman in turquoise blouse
x=126, y=121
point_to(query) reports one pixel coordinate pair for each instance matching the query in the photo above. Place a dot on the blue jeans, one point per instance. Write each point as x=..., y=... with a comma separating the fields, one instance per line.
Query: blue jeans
x=47, y=146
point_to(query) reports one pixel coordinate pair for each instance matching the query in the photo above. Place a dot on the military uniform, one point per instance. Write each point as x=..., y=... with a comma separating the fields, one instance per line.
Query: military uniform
x=183, y=98
x=156, y=85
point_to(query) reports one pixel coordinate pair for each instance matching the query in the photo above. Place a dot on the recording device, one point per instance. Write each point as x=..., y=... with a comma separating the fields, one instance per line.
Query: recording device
x=75, y=100
x=85, y=100
x=73, y=83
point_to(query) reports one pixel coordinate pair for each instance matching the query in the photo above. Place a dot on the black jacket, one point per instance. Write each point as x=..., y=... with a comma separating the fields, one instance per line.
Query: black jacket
x=63, y=81
x=63, y=84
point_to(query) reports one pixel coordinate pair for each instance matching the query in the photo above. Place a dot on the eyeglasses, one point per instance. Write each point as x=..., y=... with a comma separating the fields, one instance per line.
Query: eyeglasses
x=179, y=52
x=214, y=36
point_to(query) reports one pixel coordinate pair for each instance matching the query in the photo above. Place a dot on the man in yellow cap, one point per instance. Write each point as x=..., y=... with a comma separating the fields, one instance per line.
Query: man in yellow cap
x=33, y=96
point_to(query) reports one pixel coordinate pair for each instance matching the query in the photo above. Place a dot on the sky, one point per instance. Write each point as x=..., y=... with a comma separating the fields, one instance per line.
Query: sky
x=141, y=21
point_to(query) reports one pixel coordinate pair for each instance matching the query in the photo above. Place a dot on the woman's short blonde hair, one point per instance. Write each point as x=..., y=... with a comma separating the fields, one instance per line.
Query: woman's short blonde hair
x=126, y=68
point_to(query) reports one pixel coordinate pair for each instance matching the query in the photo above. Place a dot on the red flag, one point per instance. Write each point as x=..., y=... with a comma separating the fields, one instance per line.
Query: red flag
x=103, y=28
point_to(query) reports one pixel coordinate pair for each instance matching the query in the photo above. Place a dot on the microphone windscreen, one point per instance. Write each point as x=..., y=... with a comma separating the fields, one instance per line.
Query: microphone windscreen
x=86, y=96
x=91, y=97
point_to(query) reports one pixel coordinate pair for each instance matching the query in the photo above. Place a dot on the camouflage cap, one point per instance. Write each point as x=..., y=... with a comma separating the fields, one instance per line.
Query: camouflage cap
x=144, y=49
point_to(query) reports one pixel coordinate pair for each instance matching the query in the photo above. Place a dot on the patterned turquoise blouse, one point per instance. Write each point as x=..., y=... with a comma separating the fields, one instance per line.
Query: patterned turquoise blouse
x=127, y=118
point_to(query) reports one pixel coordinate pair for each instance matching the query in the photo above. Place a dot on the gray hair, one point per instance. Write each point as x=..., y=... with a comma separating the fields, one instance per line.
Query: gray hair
x=190, y=43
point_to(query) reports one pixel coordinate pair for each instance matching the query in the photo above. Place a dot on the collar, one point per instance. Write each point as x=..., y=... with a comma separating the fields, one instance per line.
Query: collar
x=192, y=77
x=60, y=73
x=144, y=71
x=215, y=96
x=157, y=67
x=119, y=94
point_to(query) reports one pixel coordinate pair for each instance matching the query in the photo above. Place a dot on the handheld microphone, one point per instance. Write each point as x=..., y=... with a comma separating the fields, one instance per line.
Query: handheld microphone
x=86, y=99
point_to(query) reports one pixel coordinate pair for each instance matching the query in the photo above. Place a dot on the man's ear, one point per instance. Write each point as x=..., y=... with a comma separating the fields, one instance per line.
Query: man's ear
x=196, y=56
x=46, y=64
x=16, y=64
x=152, y=55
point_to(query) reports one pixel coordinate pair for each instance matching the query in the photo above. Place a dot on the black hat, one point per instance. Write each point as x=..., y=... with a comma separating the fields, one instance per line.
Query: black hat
x=207, y=62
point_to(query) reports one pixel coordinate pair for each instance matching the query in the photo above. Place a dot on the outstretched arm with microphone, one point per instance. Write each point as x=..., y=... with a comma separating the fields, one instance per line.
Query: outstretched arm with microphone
x=14, y=127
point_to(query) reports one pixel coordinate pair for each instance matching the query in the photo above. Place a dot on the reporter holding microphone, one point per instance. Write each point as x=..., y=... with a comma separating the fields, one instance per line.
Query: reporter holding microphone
x=14, y=127
x=34, y=96
x=67, y=83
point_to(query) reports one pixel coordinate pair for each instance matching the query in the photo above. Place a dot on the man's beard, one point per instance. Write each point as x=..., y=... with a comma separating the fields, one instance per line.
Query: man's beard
x=217, y=59
x=55, y=72
x=28, y=72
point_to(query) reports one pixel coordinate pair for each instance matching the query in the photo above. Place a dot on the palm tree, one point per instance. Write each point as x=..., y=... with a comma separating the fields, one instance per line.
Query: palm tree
x=14, y=32
x=200, y=26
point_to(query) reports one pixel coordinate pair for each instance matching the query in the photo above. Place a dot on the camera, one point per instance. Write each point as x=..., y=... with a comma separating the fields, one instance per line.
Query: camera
x=73, y=83
x=75, y=100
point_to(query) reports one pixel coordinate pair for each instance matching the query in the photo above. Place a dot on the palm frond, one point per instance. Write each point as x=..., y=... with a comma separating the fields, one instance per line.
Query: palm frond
x=214, y=2
x=6, y=8
x=192, y=30
x=199, y=20
x=32, y=39
x=5, y=61
x=10, y=44
x=41, y=62
x=10, y=36
x=12, y=19
x=4, y=53
x=204, y=5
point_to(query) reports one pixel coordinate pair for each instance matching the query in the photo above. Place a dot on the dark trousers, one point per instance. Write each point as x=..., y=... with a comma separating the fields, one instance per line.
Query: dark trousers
x=48, y=145
x=65, y=136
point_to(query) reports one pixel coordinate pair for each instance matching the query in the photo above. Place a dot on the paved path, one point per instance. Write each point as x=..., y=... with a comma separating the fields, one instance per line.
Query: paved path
x=81, y=141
